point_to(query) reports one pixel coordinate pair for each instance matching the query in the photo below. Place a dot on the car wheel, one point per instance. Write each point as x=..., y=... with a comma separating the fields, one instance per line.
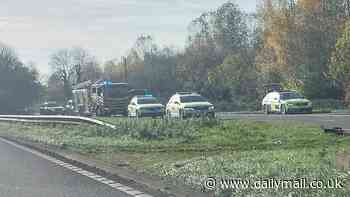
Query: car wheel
x=310, y=111
x=284, y=109
x=211, y=116
x=168, y=114
x=138, y=114
x=266, y=109
x=181, y=115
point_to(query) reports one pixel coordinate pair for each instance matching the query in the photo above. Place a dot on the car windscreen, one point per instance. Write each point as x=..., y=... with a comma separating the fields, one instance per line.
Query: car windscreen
x=147, y=101
x=190, y=99
x=290, y=95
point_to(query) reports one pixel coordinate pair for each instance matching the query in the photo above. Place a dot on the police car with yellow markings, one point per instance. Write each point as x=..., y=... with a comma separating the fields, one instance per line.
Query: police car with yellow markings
x=189, y=104
x=145, y=106
x=285, y=102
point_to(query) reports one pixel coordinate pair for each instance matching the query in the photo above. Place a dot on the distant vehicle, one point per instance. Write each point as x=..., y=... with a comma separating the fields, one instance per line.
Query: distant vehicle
x=145, y=106
x=285, y=102
x=188, y=104
x=102, y=98
x=51, y=108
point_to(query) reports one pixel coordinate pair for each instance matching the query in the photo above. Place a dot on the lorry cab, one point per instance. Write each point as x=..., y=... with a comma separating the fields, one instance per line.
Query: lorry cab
x=103, y=97
x=110, y=98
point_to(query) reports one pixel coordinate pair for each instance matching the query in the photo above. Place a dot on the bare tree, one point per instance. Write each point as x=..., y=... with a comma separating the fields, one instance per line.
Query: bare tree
x=91, y=71
x=8, y=56
x=81, y=58
x=73, y=66
x=111, y=71
x=144, y=45
x=62, y=65
x=86, y=66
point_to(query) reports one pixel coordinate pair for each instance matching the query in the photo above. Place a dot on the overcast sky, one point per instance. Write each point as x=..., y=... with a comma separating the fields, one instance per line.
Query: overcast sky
x=107, y=28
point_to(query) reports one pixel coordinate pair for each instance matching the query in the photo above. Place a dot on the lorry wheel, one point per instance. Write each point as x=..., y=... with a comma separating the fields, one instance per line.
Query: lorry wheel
x=99, y=112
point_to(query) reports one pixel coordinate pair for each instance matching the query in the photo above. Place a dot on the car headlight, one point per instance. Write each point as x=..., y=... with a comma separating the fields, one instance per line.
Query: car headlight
x=211, y=108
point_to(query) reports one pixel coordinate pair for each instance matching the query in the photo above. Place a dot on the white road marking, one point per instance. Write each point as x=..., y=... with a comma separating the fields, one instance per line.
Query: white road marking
x=109, y=182
x=133, y=193
x=94, y=176
x=114, y=185
x=120, y=187
x=125, y=188
x=143, y=195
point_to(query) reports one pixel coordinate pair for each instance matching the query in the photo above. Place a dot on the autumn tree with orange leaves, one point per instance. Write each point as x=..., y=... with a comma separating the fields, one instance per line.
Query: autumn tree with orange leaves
x=298, y=39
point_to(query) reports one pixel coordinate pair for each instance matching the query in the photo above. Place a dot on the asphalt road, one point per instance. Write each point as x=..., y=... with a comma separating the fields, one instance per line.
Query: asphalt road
x=328, y=120
x=23, y=174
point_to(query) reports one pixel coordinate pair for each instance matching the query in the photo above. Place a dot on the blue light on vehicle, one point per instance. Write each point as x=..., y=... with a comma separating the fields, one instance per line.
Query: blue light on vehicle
x=148, y=93
x=107, y=83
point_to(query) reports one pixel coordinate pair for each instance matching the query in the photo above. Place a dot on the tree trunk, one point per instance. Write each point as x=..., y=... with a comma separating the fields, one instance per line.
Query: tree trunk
x=67, y=90
x=347, y=93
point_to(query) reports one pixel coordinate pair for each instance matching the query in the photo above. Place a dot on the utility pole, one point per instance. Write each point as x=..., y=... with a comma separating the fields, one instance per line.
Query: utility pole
x=152, y=70
x=125, y=69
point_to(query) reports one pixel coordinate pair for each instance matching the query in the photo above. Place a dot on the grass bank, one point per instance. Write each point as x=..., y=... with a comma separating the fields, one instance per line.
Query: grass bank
x=191, y=150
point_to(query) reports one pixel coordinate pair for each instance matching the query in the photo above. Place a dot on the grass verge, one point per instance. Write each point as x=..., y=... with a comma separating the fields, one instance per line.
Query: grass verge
x=190, y=151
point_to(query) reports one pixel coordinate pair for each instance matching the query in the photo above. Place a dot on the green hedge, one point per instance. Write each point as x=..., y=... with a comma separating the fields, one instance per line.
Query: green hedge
x=330, y=104
x=236, y=105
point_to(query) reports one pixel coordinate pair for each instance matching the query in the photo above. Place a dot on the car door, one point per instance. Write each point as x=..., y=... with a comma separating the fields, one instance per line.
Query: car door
x=275, y=102
x=176, y=107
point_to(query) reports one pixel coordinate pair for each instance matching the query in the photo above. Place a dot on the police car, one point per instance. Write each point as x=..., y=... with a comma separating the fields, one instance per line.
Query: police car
x=285, y=102
x=145, y=106
x=188, y=104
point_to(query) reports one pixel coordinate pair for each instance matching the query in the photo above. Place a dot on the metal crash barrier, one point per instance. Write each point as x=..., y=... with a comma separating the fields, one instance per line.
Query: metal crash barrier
x=55, y=119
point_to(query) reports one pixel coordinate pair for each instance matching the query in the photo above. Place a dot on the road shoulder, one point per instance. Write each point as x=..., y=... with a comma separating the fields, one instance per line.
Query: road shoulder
x=144, y=182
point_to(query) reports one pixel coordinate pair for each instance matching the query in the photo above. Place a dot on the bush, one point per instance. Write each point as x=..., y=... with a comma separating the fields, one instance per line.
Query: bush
x=236, y=105
x=330, y=104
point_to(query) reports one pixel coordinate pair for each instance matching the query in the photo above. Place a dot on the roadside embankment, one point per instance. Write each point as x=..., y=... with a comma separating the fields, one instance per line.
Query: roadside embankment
x=189, y=151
